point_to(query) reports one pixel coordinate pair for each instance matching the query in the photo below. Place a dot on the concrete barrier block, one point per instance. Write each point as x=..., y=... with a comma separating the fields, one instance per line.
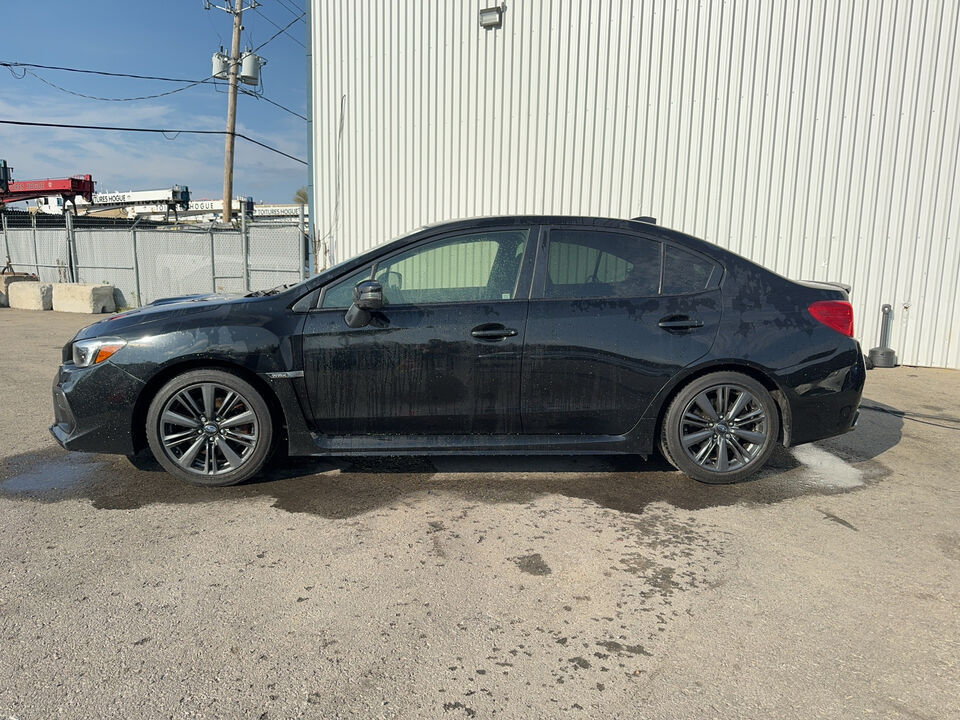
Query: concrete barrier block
x=31, y=296
x=70, y=297
x=6, y=281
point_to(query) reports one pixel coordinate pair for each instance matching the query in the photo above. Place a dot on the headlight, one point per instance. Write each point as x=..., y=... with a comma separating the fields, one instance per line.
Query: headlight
x=95, y=350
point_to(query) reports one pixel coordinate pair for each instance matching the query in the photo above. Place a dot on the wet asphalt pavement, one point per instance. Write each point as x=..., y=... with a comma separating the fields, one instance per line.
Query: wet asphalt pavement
x=481, y=587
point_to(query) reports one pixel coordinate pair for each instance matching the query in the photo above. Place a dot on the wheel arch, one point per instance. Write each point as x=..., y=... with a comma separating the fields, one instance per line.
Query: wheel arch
x=138, y=429
x=759, y=374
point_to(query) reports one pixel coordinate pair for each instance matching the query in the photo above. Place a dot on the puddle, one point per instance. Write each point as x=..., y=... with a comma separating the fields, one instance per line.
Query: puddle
x=63, y=473
x=532, y=564
x=823, y=468
x=340, y=488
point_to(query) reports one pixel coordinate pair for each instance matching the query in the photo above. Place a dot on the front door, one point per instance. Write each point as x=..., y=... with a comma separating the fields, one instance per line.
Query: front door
x=442, y=356
x=607, y=329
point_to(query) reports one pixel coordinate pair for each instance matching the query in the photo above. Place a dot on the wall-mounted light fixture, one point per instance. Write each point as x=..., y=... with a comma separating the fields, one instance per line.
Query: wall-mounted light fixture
x=492, y=17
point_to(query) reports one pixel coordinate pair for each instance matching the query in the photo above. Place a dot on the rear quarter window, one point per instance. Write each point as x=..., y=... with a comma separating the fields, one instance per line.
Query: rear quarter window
x=687, y=272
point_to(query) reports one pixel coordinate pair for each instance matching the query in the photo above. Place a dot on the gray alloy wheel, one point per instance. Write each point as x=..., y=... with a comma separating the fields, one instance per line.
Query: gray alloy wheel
x=209, y=427
x=721, y=428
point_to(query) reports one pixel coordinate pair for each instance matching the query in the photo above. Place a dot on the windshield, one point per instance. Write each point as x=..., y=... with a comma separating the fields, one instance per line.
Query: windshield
x=270, y=291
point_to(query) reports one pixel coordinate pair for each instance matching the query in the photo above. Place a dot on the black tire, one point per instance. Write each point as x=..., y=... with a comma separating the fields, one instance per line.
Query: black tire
x=145, y=461
x=720, y=450
x=225, y=450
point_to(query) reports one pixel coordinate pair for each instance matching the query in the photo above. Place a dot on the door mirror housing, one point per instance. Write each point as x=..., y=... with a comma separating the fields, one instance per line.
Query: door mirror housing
x=368, y=295
x=367, y=298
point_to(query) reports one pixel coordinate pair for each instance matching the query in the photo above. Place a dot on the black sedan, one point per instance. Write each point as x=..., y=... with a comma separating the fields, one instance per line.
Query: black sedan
x=508, y=335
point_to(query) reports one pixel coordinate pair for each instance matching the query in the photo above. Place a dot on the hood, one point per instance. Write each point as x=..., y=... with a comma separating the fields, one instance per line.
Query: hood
x=190, y=298
x=162, y=310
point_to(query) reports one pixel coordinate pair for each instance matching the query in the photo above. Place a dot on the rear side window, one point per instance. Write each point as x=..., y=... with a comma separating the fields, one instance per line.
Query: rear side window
x=583, y=263
x=686, y=272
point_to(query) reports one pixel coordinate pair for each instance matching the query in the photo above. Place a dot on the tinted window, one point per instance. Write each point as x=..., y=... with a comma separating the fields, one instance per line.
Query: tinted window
x=341, y=294
x=594, y=263
x=687, y=272
x=475, y=267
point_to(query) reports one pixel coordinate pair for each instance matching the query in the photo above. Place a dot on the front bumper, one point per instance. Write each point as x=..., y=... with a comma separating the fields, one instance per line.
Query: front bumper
x=93, y=408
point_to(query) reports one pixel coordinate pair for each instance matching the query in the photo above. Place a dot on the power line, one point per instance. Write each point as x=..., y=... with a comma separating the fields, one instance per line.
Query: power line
x=257, y=10
x=190, y=83
x=277, y=33
x=5, y=63
x=292, y=11
x=9, y=64
x=161, y=131
x=272, y=102
x=214, y=28
x=108, y=99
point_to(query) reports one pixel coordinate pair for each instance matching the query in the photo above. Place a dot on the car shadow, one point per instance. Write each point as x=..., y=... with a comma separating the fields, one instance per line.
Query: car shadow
x=879, y=428
x=341, y=488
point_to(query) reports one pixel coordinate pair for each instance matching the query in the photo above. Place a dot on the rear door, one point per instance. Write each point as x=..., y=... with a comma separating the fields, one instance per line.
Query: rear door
x=613, y=316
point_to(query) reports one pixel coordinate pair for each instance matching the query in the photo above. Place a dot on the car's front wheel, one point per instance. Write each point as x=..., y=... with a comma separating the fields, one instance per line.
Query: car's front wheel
x=721, y=428
x=210, y=427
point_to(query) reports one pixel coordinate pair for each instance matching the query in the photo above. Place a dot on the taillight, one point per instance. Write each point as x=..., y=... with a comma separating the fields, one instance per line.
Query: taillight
x=835, y=314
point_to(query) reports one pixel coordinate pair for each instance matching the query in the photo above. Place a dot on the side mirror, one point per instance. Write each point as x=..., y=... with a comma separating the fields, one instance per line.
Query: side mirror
x=368, y=295
x=367, y=298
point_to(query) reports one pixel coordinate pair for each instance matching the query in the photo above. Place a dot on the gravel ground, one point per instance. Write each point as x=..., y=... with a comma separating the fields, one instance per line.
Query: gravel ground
x=481, y=587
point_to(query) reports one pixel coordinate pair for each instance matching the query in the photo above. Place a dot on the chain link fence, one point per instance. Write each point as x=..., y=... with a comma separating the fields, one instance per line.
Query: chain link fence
x=155, y=261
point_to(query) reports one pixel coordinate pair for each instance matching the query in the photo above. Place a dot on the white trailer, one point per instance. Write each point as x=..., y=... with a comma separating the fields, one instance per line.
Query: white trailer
x=196, y=210
x=171, y=199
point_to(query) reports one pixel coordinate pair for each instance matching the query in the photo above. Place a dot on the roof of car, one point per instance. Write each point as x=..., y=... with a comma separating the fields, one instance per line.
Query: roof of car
x=489, y=220
x=592, y=220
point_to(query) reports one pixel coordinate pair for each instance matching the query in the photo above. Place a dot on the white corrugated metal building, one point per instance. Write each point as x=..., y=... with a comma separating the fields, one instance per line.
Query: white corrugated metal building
x=817, y=137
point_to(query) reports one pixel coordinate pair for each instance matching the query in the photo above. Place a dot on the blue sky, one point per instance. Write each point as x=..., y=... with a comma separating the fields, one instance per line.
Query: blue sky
x=173, y=38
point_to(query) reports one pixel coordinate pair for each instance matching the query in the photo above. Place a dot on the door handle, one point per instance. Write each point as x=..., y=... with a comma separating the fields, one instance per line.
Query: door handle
x=679, y=322
x=492, y=332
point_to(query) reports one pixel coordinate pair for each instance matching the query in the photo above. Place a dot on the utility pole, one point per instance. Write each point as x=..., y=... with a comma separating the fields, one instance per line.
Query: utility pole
x=236, y=9
x=230, y=140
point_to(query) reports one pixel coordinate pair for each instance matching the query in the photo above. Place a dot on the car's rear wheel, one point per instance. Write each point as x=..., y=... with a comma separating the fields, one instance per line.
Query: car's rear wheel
x=721, y=428
x=210, y=427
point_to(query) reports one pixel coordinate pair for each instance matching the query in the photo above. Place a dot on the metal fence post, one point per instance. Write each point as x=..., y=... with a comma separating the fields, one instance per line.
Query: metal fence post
x=136, y=267
x=6, y=240
x=213, y=266
x=302, y=243
x=36, y=256
x=245, y=251
x=72, y=260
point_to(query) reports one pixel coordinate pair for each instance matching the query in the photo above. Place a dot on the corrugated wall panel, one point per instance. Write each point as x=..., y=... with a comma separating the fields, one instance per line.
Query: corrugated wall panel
x=817, y=137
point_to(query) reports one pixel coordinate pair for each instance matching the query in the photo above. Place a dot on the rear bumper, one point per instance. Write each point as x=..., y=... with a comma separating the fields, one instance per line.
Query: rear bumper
x=93, y=408
x=830, y=405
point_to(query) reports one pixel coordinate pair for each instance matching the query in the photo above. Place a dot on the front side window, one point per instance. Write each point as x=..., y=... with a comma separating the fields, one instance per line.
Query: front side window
x=482, y=266
x=585, y=263
x=340, y=295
